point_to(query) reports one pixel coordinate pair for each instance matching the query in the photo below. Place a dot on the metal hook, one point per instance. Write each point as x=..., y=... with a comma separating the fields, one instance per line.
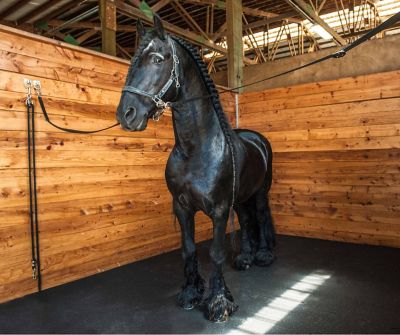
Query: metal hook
x=37, y=87
x=28, y=88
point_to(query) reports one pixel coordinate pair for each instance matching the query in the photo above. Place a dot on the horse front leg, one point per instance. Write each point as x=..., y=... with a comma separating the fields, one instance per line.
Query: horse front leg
x=193, y=288
x=219, y=304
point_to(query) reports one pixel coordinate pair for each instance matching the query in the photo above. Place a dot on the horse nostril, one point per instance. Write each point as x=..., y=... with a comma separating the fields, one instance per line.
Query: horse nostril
x=130, y=114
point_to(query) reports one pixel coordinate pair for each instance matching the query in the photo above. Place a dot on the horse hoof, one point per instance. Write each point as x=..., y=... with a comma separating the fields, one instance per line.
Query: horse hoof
x=264, y=257
x=243, y=262
x=189, y=306
x=191, y=295
x=187, y=302
x=220, y=307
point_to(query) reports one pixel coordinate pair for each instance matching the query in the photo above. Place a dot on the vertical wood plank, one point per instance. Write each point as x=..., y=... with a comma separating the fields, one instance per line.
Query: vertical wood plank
x=108, y=17
x=235, y=44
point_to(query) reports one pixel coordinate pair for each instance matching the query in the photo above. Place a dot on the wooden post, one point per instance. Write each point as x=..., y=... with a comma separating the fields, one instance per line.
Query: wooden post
x=108, y=17
x=235, y=43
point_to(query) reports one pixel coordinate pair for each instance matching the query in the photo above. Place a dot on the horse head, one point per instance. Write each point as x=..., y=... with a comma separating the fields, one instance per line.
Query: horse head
x=152, y=79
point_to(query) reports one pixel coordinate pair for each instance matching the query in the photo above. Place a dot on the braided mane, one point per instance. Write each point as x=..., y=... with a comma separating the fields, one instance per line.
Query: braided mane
x=213, y=92
x=209, y=83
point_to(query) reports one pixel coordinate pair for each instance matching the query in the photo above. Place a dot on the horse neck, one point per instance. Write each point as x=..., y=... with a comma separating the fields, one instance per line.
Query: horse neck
x=196, y=125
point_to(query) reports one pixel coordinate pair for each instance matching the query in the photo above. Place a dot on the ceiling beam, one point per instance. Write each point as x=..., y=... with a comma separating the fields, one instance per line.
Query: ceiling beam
x=123, y=51
x=27, y=27
x=39, y=10
x=90, y=25
x=159, y=5
x=188, y=18
x=306, y=10
x=220, y=4
x=85, y=36
x=61, y=10
x=134, y=12
x=11, y=9
x=221, y=32
x=194, y=38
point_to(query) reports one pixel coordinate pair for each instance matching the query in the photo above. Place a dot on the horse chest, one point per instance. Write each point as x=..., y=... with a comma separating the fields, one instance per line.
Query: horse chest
x=192, y=182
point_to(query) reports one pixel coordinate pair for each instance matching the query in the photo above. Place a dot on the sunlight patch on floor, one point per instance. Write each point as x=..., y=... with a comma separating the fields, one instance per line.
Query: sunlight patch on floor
x=268, y=316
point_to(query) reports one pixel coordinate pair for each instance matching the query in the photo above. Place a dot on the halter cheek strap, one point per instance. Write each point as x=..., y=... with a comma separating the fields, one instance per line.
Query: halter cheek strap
x=157, y=98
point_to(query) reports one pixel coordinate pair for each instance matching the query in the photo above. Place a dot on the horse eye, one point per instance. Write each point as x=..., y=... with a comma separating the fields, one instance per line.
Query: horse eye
x=157, y=60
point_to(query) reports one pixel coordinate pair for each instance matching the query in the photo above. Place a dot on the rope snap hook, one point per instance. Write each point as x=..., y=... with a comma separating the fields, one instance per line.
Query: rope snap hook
x=37, y=87
x=28, y=89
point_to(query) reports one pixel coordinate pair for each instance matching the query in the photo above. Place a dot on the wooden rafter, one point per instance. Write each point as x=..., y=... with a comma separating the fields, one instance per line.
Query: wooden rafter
x=189, y=18
x=219, y=4
x=90, y=25
x=12, y=8
x=220, y=32
x=123, y=51
x=61, y=10
x=37, y=11
x=310, y=14
x=134, y=12
x=85, y=36
x=253, y=41
x=256, y=24
x=27, y=27
x=321, y=6
x=159, y=5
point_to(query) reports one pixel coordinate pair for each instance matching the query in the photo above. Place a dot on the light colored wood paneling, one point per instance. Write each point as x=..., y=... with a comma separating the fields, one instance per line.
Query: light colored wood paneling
x=103, y=201
x=336, y=157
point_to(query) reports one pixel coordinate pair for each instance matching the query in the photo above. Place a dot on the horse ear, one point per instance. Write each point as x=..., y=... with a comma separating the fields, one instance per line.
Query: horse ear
x=140, y=28
x=158, y=27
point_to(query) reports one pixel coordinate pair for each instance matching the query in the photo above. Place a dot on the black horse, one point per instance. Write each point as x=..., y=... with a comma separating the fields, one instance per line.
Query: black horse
x=211, y=167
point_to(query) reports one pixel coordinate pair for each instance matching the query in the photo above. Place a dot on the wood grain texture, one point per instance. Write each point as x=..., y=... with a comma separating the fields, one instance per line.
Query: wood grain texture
x=102, y=198
x=336, y=156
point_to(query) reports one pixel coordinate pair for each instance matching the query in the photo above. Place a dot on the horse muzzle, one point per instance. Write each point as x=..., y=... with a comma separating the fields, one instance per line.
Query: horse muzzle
x=130, y=115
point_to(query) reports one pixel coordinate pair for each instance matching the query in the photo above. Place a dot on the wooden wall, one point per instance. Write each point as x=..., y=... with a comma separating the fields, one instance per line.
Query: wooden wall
x=337, y=156
x=102, y=198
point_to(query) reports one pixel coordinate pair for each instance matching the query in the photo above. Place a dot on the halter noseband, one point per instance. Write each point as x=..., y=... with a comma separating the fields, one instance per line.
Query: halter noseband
x=157, y=98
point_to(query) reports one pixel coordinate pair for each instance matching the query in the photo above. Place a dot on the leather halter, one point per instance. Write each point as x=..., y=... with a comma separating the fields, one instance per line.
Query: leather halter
x=157, y=98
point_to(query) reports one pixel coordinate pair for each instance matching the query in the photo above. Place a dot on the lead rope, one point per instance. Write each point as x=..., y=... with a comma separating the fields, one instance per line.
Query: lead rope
x=38, y=91
x=33, y=206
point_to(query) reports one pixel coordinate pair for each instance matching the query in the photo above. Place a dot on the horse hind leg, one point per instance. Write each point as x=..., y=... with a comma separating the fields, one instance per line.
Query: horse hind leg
x=246, y=213
x=265, y=251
